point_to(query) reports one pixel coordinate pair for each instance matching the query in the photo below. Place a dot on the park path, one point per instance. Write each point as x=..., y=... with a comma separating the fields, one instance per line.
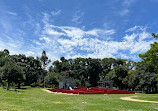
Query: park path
x=137, y=100
x=56, y=92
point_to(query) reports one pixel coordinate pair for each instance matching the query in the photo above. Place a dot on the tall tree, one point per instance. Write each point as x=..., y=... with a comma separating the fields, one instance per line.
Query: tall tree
x=33, y=71
x=107, y=66
x=151, y=57
x=12, y=73
x=119, y=72
x=4, y=56
x=141, y=79
x=94, y=69
x=52, y=79
x=44, y=61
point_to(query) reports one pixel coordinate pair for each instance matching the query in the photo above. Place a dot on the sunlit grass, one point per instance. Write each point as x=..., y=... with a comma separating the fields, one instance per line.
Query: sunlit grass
x=38, y=100
x=149, y=97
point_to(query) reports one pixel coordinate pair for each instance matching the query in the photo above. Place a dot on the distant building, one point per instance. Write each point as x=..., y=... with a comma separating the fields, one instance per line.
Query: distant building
x=103, y=83
x=66, y=83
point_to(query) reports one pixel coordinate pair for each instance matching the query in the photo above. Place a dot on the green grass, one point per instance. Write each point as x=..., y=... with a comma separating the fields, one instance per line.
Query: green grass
x=35, y=99
x=149, y=97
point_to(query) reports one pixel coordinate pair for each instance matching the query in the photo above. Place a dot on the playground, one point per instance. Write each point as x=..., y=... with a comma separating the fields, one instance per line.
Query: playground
x=91, y=90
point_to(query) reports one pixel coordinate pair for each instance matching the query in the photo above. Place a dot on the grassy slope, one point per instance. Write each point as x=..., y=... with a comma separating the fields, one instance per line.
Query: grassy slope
x=38, y=100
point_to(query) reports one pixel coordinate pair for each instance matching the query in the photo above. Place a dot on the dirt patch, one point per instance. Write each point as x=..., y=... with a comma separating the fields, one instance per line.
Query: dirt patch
x=137, y=100
x=57, y=102
x=84, y=102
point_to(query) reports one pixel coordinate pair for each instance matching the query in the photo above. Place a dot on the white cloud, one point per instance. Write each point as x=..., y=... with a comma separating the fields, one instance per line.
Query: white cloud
x=140, y=47
x=137, y=28
x=144, y=35
x=45, y=19
x=31, y=53
x=123, y=56
x=77, y=17
x=38, y=43
x=130, y=38
x=53, y=32
x=124, y=12
x=14, y=46
x=57, y=12
x=12, y=13
x=10, y=34
x=73, y=32
x=98, y=32
x=128, y=3
x=72, y=41
x=94, y=32
x=46, y=39
x=67, y=42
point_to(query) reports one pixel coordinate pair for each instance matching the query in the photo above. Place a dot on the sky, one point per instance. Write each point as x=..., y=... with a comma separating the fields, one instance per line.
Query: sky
x=78, y=28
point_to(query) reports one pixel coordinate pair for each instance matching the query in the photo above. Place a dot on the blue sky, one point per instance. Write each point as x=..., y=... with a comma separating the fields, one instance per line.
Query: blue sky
x=78, y=28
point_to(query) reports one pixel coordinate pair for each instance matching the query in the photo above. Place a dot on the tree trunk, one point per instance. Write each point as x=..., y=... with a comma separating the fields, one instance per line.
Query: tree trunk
x=156, y=91
x=8, y=86
x=18, y=85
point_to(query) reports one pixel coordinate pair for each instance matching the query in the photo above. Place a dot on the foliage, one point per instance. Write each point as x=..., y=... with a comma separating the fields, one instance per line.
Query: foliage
x=44, y=62
x=151, y=58
x=52, y=78
x=11, y=72
x=154, y=35
x=141, y=79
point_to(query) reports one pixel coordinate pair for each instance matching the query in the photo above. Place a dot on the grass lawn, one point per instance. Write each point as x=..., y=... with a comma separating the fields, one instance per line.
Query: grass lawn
x=149, y=97
x=35, y=99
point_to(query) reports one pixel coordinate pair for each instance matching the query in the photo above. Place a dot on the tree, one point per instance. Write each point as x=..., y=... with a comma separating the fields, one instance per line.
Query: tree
x=131, y=80
x=151, y=58
x=141, y=79
x=33, y=71
x=154, y=35
x=93, y=69
x=119, y=73
x=12, y=73
x=44, y=61
x=107, y=66
x=19, y=60
x=52, y=78
x=4, y=56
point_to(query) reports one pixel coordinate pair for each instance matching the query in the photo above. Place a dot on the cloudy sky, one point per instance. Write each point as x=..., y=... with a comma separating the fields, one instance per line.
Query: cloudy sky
x=78, y=28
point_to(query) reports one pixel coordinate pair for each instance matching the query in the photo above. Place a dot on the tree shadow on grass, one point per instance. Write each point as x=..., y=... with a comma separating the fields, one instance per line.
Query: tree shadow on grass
x=22, y=89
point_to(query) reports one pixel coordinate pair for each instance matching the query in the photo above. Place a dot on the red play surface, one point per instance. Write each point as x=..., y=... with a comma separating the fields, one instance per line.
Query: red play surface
x=92, y=90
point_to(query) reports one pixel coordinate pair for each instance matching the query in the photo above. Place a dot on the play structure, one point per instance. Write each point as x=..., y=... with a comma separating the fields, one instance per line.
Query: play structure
x=92, y=90
x=103, y=83
x=67, y=85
